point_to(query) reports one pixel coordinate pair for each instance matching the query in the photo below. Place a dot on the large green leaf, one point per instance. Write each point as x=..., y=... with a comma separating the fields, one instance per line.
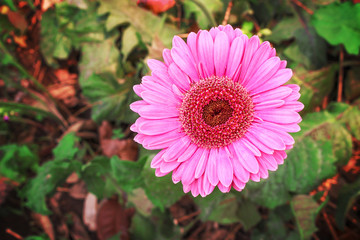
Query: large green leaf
x=107, y=95
x=339, y=23
x=305, y=209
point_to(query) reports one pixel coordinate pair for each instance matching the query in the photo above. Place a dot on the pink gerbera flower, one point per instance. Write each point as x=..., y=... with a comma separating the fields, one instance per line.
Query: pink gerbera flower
x=219, y=110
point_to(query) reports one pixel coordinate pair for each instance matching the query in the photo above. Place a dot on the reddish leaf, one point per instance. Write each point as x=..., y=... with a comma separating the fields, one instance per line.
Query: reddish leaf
x=112, y=218
x=18, y=20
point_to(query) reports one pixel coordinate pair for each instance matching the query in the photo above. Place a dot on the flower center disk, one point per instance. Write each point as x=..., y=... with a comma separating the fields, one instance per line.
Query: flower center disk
x=216, y=112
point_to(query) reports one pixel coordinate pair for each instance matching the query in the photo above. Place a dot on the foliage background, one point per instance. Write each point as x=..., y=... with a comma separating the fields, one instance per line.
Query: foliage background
x=66, y=74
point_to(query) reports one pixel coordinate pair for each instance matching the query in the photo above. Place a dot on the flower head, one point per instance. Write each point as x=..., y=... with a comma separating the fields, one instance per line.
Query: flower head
x=219, y=110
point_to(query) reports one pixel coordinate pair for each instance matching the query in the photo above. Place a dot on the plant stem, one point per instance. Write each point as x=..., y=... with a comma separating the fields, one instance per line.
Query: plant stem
x=206, y=12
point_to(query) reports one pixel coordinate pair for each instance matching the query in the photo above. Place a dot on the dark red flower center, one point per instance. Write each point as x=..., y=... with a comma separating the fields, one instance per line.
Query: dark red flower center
x=216, y=111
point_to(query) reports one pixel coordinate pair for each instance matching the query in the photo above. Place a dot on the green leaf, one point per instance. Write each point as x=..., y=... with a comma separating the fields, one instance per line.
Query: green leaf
x=308, y=50
x=142, y=228
x=226, y=211
x=16, y=161
x=212, y=6
x=66, y=27
x=127, y=173
x=347, y=196
x=351, y=119
x=160, y=190
x=66, y=149
x=314, y=85
x=93, y=175
x=52, y=174
x=107, y=94
x=282, y=31
x=144, y=22
x=339, y=23
x=305, y=210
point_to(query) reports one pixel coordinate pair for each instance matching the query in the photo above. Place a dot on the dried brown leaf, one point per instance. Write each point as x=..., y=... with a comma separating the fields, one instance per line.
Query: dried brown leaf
x=90, y=211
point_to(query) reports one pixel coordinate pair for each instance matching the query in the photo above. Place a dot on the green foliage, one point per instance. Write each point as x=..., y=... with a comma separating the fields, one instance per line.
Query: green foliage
x=193, y=7
x=315, y=85
x=140, y=20
x=305, y=210
x=52, y=174
x=66, y=27
x=323, y=142
x=347, y=196
x=127, y=173
x=16, y=161
x=107, y=95
x=160, y=190
x=339, y=23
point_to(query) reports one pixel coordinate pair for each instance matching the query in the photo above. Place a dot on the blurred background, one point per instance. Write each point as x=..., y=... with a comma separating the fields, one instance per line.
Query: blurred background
x=69, y=168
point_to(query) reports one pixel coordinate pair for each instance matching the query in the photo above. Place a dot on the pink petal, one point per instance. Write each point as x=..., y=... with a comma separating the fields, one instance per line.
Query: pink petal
x=251, y=147
x=207, y=186
x=256, y=142
x=189, y=152
x=157, y=160
x=195, y=188
x=239, y=184
x=167, y=57
x=246, y=157
x=156, y=65
x=281, y=77
x=250, y=49
x=200, y=168
x=161, y=141
x=279, y=116
x=211, y=168
x=175, y=150
x=221, y=51
x=189, y=173
x=260, y=56
x=155, y=127
x=191, y=42
x=225, y=168
x=264, y=73
x=158, y=111
x=167, y=167
x=269, y=104
x=179, y=77
x=274, y=94
x=156, y=98
x=138, y=89
x=158, y=173
x=185, y=63
x=205, y=47
x=135, y=106
x=268, y=138
x=235, y=56
x=229, y=30
x=223, y=188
